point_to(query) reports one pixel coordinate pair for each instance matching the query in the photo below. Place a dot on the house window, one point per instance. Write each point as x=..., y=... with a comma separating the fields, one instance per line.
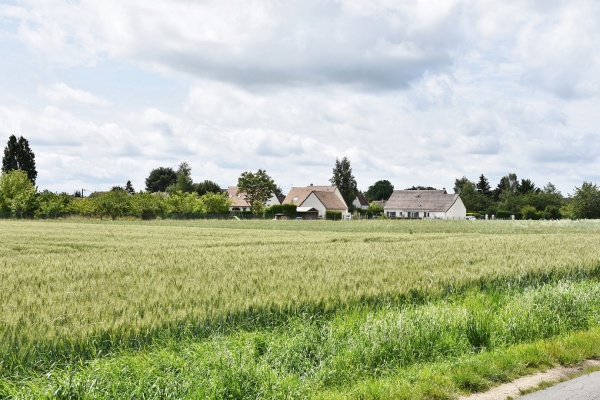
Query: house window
x=392, y=214
x=294, y=200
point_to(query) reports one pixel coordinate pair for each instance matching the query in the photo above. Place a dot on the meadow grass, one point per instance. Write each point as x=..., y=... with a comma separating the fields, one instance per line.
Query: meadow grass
x=388, y=352
x=73, y=292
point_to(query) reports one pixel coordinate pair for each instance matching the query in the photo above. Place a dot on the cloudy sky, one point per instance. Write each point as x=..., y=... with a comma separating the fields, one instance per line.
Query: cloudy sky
x=416, y=92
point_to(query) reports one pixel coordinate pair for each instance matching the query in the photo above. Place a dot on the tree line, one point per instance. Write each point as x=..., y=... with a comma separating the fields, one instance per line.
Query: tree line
x=173, y=194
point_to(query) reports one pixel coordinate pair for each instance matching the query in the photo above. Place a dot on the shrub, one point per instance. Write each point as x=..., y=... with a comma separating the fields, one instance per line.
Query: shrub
x=286, y=209
x=333, y=215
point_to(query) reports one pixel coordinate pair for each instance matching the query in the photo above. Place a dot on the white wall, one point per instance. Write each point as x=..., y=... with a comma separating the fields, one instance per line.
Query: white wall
x=314, y=202
x=457, y=211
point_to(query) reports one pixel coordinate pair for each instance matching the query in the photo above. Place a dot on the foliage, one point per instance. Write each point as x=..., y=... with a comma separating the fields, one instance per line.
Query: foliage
x=286, y=209
x=375, y=208
x=530, y=212
x=52, y=205
x=129, y=188
x=147, y=205
x=258, y=188
x=507, y=187
x=17, y=193
x=114, y=203
x=18, y=156
x=160, y=179
x=470, y=196
x=483, y=186
x=333, y=215
x=215, y=203
x=183, y=204
x=344, y=180
x=419, y=187
x=184, y=182
x=380, y=190
x=586, y=201
x=207, y=187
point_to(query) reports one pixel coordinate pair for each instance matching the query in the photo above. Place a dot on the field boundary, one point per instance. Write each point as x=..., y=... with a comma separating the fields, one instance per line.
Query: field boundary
x=537, y=380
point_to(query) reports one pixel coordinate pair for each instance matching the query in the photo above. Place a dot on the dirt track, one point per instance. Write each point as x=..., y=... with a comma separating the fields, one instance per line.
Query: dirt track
x=514, y=388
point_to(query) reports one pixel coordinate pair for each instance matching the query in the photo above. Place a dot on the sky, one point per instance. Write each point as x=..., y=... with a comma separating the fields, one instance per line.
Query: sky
x=415, y=92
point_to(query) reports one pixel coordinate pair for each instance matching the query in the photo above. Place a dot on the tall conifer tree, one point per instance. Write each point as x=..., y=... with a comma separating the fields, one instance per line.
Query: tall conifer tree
x=18, y=156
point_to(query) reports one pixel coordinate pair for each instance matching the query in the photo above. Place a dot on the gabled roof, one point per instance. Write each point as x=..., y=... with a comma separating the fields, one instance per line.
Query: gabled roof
x=237, y=200
x=297, y=195
x=362, y=199
x=421, y=200
x=331, y=201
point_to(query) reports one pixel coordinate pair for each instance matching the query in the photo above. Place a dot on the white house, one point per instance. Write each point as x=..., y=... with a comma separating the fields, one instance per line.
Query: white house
x=437, y=204
x=321, y=198
x=361, y=202
x=239, y=203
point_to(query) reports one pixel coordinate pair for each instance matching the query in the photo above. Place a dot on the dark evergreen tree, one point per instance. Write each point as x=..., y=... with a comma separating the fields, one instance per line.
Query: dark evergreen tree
x=18, y=155
x=160, y=179
x=207, y=187
x=527, y=186
x=483, y=186
x=344, y=180
x=129, y=188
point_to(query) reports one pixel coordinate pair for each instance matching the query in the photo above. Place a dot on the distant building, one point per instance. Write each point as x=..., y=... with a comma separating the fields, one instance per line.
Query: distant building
x=360, y=202
x=320, y=198
x=239, y=202
x=436, y=204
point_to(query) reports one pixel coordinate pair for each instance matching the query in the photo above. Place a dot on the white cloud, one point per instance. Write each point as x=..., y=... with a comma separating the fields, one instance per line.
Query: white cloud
x=61, y=93
x=419, y=93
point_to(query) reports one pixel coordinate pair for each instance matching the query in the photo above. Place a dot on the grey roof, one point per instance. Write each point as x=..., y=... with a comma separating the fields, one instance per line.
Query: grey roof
x=421, y=200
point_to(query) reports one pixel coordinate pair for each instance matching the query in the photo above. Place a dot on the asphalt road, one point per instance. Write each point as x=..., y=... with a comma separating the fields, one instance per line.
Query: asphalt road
x=586, y=387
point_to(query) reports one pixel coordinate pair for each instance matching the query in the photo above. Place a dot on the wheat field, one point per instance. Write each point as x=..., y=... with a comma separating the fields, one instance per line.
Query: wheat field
x=76, y=289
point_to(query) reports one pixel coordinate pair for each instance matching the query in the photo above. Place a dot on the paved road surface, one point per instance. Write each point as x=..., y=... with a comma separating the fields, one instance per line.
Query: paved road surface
x=585, y=387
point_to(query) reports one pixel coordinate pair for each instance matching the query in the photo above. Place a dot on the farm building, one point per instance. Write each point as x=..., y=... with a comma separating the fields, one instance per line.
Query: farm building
x=437, y=204
x=320, y=198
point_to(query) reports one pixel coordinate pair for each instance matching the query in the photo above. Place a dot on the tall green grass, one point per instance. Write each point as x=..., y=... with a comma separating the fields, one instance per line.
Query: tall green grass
x=311, y=355
x=74, y=291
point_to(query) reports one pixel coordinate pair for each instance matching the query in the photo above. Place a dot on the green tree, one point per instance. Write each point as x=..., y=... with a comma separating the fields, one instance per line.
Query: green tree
x=207, y=187
x=380, y=190
x=344, y=180
x=147, y=205
x=470, y=196
x=184, y=182
x=483, y=186
x=508, y=186
x=17, y=193
x=18, y=156
x=527, y=186
x=160, y=179
x=129, y=188
x=182, y=204
x=586, y=201
x=420, y=187
x=375, y=208
x=215, y=203
x=114, y=203
x=52, y=205
x=258, y=187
